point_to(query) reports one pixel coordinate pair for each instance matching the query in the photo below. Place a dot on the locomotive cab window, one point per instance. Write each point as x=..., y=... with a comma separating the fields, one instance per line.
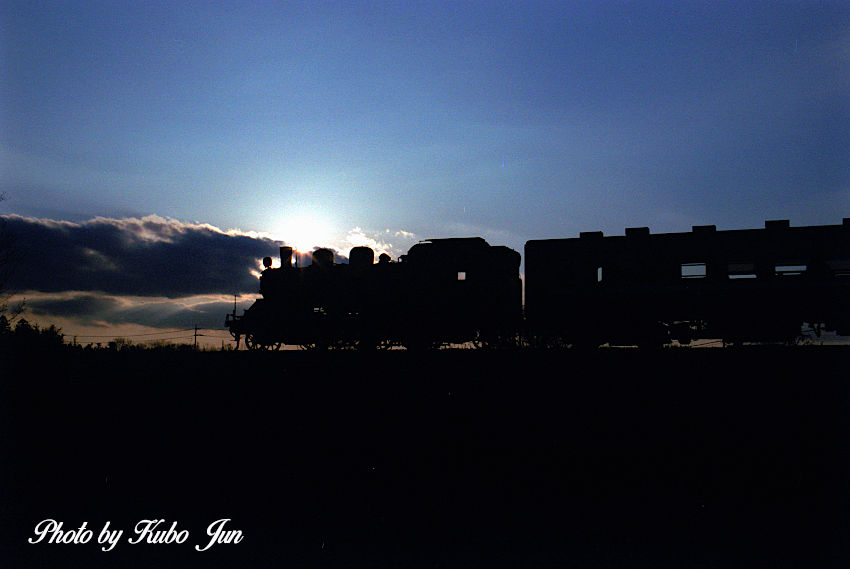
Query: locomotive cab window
x=694, y=270
x=599, y=274
x=461, y=275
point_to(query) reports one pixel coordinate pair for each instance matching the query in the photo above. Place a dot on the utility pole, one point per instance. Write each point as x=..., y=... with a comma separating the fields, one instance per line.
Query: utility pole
x=195, y=347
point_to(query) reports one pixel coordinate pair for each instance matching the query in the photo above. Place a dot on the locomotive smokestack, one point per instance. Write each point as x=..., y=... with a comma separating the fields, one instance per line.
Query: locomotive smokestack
x=286, y=257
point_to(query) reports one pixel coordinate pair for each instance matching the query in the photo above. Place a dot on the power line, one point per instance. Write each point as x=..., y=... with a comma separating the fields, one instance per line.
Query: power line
x=131, y=335
x=148, y=333
x=154, y=339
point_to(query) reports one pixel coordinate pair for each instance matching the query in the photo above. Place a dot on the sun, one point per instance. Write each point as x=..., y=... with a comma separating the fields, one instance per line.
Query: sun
x=305, y=230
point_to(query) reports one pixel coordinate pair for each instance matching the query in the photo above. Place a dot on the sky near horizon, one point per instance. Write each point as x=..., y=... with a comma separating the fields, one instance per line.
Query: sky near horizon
x=385, y=123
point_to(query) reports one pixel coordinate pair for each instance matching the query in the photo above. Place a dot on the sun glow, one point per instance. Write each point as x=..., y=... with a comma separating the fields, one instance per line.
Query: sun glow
x=304, y=231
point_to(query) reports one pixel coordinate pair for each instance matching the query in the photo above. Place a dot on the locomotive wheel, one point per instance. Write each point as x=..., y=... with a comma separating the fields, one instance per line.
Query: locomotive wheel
x=251, y=342
x=255, y=344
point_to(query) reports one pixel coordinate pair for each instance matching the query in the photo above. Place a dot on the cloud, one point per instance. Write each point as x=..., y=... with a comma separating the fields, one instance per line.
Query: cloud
x=357, y=237
x=95, y=310
x=149, y=256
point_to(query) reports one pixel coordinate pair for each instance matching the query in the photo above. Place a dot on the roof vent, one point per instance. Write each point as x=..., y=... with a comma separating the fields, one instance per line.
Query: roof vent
x=637, y=231
x=777, y=224
x=590, y=234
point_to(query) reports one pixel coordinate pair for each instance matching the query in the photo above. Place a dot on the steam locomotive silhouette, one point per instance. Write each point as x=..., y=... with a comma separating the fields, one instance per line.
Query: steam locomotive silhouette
x=636, y=289
x=444, y=291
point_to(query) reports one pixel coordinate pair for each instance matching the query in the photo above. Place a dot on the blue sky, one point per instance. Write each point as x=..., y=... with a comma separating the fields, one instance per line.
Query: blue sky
x=509, y=120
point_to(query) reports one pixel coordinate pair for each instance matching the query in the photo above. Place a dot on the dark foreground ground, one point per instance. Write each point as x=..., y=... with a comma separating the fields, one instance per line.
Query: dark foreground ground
x=616, y=458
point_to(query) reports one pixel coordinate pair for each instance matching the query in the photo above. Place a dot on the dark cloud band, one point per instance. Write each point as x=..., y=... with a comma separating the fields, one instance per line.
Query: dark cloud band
x=92, y=309
x=151, y=256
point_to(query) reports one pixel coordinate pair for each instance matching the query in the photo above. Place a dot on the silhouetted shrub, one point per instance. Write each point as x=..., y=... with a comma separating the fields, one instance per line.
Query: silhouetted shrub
x=29, y=337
